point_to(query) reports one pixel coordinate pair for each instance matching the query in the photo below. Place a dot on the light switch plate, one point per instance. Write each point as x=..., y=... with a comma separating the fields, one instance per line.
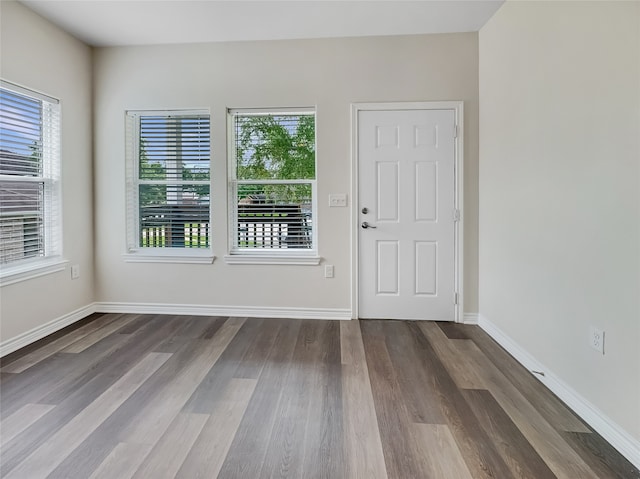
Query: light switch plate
x=338, y=199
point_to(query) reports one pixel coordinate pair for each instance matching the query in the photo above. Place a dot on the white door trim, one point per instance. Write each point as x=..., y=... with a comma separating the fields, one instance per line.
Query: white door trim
x=458, y=108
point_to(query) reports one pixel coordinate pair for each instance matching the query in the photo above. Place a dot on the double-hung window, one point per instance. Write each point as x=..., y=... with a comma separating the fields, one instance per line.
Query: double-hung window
x=272, y=186
x=30, y=209
x=168, y=186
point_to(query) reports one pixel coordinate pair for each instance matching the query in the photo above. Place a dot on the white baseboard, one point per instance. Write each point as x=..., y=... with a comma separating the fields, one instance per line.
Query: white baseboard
x=40, y=332
x=238, y=311
x=470, y=318
x=628, y=446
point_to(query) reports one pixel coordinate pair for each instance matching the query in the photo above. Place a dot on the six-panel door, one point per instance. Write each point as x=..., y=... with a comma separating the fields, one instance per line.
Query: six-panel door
x=406, y=162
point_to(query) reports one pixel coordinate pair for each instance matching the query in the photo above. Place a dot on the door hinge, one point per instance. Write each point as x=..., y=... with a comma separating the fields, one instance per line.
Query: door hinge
x=456, y=298
x=456, y=214
x=455, y=131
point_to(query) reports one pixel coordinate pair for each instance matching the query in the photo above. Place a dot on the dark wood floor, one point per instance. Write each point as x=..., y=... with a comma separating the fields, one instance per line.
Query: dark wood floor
x=150, y=396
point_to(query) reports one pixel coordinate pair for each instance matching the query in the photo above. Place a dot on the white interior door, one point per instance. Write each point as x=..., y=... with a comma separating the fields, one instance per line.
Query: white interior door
x=406, y=184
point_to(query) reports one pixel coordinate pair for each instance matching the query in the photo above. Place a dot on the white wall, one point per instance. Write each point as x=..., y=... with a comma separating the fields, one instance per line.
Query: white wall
x=40, y=56
x=560, y=191
x=330, y=74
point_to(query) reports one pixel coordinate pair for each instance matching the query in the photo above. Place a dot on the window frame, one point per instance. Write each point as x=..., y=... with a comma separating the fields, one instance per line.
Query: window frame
x=52, y=259
x=142, y=254
x=272, y=256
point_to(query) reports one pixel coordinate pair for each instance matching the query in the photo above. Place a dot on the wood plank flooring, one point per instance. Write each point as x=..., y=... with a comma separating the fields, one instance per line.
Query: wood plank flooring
x=120, y=396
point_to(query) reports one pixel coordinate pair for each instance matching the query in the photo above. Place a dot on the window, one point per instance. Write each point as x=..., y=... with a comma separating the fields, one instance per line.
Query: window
x=30, y=220
x=168, y=183
x=272, y=184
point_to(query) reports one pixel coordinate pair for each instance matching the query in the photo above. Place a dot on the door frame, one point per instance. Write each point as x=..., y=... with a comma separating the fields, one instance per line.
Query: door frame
x=458, y=108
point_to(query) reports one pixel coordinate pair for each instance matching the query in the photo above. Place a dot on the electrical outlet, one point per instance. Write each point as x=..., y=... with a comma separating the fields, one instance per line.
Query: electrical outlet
x=596, y=339
x=328, y=271
x=75, y=271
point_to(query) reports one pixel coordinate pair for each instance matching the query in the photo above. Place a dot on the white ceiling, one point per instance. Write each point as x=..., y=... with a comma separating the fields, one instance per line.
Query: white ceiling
x=145, y=22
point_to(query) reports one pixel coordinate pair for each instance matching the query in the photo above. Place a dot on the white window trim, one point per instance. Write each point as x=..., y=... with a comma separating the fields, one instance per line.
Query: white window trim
x=30, y=270
x=136, y=254
x=160, y=255
x=258, y=255
x=53, y=261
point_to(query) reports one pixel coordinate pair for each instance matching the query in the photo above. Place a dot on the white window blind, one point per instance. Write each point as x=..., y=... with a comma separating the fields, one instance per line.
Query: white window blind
x=273, y=182
x=168, y=177
x=30, y=219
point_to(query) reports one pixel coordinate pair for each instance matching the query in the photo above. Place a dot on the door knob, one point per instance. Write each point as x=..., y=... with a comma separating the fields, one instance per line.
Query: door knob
x=366, y=225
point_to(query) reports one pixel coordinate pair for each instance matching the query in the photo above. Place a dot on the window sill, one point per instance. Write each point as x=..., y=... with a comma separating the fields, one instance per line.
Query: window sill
x=24, y=272
x=179, y=257
x=272, y=259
